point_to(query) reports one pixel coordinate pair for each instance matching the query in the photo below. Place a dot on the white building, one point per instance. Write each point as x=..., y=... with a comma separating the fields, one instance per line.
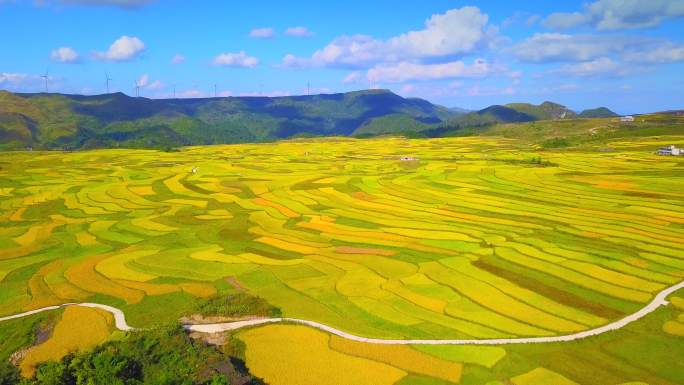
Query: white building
x=628, y=118
x=670, y=150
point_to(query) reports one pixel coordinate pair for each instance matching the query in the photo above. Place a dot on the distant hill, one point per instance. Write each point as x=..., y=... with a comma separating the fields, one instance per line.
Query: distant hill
x=76, y=121
x=601, y=112
x=544, y=111
x=459, y=110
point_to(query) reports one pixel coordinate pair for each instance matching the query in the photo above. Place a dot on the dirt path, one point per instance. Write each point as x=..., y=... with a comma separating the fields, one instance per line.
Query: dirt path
x=120, y=321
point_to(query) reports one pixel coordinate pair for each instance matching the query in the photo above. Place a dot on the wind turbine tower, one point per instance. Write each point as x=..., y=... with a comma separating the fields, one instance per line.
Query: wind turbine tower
x=46, y=77
x=215, y=94
x=137, y=89
x=107, y=79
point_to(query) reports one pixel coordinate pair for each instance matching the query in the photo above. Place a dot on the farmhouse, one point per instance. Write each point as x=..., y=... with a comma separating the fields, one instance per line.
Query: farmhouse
x=628, y=118
x=670, y=150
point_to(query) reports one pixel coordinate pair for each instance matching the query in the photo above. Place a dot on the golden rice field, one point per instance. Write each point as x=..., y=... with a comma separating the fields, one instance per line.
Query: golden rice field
x=473, y=240
x=79, y=329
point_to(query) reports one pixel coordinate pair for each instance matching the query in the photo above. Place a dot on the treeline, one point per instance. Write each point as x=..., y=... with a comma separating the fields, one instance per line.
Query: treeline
x=164, y=356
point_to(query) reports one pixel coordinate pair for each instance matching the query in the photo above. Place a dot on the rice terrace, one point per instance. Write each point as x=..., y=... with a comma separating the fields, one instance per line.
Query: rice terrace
x=347, y=193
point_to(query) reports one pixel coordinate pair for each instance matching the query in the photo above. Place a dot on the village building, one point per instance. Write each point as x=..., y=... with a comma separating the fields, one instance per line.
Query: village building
x=670, y=150
x=628, y=118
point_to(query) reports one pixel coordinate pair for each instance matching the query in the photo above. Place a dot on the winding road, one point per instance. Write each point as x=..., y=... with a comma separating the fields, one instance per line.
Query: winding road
x=120, y=322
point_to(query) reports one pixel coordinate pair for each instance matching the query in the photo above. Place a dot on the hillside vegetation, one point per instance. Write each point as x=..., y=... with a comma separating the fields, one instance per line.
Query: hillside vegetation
x=56, y=121
x=74, y=121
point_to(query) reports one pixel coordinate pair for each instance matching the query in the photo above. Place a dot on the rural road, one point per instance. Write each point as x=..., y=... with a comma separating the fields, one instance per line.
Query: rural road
x=120, y=321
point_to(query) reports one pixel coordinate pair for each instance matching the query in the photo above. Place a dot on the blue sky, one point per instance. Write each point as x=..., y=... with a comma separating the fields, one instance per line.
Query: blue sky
x=624, y=54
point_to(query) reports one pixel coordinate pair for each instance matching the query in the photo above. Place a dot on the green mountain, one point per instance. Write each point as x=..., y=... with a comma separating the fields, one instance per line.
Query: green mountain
x=544, y=111
x=601, y=112
x=76, y=121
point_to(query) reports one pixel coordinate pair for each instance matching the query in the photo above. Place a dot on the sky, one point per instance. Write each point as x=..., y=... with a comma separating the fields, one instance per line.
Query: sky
x=627, y=55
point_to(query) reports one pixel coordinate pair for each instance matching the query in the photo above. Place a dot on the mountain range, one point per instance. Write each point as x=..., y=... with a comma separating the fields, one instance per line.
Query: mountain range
x=52, y=120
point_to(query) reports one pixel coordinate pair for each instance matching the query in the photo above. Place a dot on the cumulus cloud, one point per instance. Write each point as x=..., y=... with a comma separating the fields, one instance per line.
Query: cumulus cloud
x=556, y=47
x=619, y=14
x=142, y=80
x=298, y=32
x=455, y=33
x=600, y=67
x=177, y=59
x=155, y=85
x=13, y=78
x=262, y=33
x=126, y=4
x=145, y=82
x=404, y=71
x=663, y=53
x=123, y=49
x=239, y=59
x=21, y=81
x=65, y=55
x=353, y=77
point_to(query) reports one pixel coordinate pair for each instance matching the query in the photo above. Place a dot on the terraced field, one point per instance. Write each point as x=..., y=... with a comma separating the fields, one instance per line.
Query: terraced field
x=475, y=239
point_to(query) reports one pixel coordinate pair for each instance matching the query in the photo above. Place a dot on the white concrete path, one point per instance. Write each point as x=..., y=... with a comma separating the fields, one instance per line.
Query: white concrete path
x=120, y=321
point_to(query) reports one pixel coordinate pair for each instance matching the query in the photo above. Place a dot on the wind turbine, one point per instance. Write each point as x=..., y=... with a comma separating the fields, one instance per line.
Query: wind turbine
x=137, y=88
x=215, y=94
x=308, y=88
x=46, y=76
x=107, y=79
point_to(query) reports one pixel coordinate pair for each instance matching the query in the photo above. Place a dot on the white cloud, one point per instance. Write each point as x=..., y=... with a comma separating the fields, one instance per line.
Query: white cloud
x=16, y=78
x=124, y=48
x=142, y=80
x=565, y=20
x=155, y=85
x=353, y=77
x=556, y=47
x=145, y=82
x=545, y=47
x=298, y=32
x=191, y=93
x=65, y=55
x=664, y=53
x=25, y=82
x=126, y=4
x=262, y=33
x=405, y=71
x=454, y=33
x=619, y=14
x=239, y=59
x=177, y=59
x=600, y=67
x=407, y=89
x=477, y=90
